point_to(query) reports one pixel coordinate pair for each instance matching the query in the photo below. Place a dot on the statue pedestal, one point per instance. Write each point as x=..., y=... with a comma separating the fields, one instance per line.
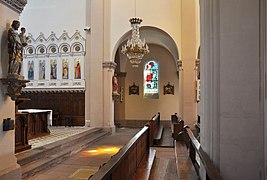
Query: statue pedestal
x=14, y=85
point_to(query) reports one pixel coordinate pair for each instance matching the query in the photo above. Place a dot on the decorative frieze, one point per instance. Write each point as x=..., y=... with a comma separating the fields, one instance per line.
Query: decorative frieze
x=54, y=62
x=16, y=5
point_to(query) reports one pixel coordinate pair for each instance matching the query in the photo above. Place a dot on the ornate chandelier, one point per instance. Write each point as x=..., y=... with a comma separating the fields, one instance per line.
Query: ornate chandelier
x=135, y=48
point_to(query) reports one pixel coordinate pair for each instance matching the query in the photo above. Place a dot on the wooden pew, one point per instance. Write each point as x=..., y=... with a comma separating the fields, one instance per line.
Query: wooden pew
x=144, y=169
x=177, y=126
x=135, y=159
x=184, y=165
x=124, y=164
x=158, y=132
x=196, y=152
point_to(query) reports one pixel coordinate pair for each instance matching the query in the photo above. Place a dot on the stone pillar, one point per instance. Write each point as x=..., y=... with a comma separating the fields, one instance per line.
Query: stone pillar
x=232, y=123
x=189, y=49
x=9, y=169
x=108, y=68
x=98, y=51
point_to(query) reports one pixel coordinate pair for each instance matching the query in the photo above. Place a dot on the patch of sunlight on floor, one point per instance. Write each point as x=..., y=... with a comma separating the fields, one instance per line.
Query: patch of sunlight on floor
x=83, y=173
x=111, y=150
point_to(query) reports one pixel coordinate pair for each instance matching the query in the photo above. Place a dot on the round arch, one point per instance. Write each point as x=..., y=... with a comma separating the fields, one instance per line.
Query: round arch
x=152, y=35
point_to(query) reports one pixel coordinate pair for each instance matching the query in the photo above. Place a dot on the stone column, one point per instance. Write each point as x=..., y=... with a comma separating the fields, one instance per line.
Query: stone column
x=232, y=124
x=108, y=68
x=9, y=169
x=99, y=51
x=189, y=49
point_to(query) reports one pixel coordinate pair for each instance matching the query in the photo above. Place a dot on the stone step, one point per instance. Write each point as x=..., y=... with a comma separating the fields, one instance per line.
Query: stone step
x=48, y=155
x=36, y=153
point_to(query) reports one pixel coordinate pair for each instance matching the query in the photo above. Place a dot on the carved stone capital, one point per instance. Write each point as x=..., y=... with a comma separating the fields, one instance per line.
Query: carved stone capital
x=109, y=64
x=180, y=65
x=14, y=86
x=16, y=5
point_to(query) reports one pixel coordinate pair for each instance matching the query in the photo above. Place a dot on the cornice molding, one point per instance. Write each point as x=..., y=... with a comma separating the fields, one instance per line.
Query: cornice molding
x=16, y=5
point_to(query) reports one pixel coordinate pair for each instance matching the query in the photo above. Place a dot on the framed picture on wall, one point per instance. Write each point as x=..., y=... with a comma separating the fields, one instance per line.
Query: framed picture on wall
x=134, y=89
x=168, y=89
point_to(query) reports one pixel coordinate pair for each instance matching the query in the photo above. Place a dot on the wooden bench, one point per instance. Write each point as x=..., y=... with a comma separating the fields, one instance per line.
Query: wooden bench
x=156, y=129
x=184, y=165
x=198, y=156
x=125, y=163
x=177, y=126
x=143, y=171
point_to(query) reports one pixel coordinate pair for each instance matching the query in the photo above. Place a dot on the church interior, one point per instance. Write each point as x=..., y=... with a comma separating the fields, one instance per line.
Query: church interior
x=111, y=90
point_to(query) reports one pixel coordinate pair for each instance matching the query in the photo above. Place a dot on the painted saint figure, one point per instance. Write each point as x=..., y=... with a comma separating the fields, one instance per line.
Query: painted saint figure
x=65, y=69
x=53, y=69
x=77, y=70
x=41, y=69
x=30, y=70
x=14, y=49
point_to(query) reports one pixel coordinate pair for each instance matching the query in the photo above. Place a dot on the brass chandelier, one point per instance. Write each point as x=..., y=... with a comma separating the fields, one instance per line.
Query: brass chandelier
x=135, y=48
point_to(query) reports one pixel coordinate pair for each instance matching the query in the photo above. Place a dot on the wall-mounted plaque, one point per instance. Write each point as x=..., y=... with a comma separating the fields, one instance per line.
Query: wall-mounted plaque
x=168, y=89
x=134, y=89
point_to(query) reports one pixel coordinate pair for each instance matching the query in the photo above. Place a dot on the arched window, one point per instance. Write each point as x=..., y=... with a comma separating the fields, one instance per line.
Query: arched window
x=151, y=80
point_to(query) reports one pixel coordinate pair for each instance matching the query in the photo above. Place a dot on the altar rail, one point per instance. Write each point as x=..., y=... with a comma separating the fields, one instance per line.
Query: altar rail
x=212, y=172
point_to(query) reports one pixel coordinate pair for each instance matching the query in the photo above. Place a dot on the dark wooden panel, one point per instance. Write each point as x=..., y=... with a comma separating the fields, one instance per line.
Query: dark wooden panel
x=37, y=123
x=70, y=106
x=21, y=132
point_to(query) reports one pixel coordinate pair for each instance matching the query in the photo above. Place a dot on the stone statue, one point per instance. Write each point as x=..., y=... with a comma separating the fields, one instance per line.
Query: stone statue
x=23, y=37
x=14, y=49
x=115, y=84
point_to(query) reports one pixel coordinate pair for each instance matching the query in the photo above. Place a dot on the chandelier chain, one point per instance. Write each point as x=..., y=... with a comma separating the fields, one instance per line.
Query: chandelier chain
x=135, y=48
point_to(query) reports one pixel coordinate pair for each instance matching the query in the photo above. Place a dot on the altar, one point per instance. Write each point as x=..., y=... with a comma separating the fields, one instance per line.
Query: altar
x=38, y=121
x=48, y=111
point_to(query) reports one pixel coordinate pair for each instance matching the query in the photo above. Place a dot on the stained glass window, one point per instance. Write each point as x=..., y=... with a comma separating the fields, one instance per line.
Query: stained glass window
x=151, y=77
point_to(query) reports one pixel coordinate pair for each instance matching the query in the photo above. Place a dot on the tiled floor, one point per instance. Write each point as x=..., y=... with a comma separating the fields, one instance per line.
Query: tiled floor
x=57, y=133
x=81, y=165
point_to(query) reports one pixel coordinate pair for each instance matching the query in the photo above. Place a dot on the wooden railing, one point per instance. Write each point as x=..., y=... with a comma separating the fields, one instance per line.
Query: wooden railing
x=123, y=165
x=212, y=173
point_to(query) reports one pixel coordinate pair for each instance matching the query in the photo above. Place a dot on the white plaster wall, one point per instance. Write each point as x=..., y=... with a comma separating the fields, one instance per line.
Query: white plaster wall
x=49, y=15
x=165, y=15
x=138, y=108
x=7, y=107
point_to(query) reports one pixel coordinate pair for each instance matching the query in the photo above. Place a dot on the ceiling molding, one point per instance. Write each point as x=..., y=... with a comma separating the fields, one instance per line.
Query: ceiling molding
x=16, y=5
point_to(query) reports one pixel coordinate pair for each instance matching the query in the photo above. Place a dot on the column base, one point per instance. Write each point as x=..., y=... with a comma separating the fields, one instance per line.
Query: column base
x=11, y=173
